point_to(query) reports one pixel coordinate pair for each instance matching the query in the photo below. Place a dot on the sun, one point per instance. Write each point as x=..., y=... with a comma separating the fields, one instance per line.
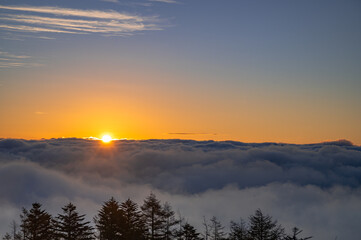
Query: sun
x=107, y=138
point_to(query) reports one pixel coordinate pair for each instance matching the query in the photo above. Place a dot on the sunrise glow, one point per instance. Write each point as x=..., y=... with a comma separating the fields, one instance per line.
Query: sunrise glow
x=107, y=138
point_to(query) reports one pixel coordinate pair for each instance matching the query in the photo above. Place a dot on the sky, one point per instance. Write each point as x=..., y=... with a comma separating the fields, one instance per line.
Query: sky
x=251, y=71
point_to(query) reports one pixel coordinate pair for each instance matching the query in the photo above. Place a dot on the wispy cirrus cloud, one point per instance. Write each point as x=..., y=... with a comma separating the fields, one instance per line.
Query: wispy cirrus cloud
x=40, y=113
x=190, y=133
x=12, y=56
x=9, y=60
x=112, y=1
x=164, y=1
x=73, y=21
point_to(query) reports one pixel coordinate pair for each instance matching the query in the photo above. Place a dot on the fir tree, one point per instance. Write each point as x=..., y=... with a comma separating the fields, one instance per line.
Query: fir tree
x=216, y=229
x=36, y=224
x=109, y=221
x=153, y=217
x=169, y=222
x=71, y=226
x=133, y=222
x=238, y=231
x=188, y=232
x=262, y=227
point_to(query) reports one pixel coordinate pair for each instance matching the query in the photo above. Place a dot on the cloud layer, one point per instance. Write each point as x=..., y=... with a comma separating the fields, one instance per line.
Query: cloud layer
x=73, y=21
x=315, y=186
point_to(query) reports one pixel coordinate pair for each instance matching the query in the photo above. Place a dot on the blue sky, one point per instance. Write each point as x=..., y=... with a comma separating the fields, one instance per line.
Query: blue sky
x=304, y=54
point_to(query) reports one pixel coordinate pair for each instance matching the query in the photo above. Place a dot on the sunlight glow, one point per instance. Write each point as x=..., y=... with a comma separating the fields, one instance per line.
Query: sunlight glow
x=107, y=138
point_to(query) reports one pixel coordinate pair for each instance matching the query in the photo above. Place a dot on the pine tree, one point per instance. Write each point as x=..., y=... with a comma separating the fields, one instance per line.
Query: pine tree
x=133, y=222
x=238, y=231
x=216, y=229
x=188, y=232
x=262, y=227
x=71, y=226
x=153, y=217
x=36, y=224
x=109, y=221
x=169, y=222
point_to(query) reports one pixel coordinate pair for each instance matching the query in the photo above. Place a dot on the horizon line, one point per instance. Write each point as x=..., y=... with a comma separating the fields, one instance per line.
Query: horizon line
x=340, y=142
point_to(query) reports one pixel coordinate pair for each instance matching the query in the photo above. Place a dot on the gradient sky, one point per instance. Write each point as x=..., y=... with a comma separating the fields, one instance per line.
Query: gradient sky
x=253, y=71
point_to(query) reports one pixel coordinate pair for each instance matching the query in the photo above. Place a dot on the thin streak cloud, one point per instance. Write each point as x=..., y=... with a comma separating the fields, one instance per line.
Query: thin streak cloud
x=9, y=60
x=164, y=1
x=74, y=21
x=190, y=133
x=112, y=1
x=75, y=12
x=9, y=55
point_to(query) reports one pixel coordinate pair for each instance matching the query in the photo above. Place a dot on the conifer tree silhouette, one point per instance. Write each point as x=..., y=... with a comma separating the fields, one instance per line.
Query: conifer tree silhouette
x=7, y=237
x=153, y=217
x=188, y=232
x=295, y=232
x=109, y=221
x=152, y=221
x=169, y=232
x=262, y=227
x=14, y=233
x=36, y=224
x=238, y=231
x=71, y=226
x=216, y=229
x=134, y=228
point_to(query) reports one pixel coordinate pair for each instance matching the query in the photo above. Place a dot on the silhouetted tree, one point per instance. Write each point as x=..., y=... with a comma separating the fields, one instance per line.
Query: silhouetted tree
x=14, y=233
x=36, y=224
x=169, y=222
x=133, y=228
x=71, y=226
x=126, y=221
x=153, y=217
x=178, y=231
x=238, y=231
x=206, y=229
x=295, y=232
x=109, y=221
x=216, y=229
x=262, y=227
x=188, y=232
x=7, y=237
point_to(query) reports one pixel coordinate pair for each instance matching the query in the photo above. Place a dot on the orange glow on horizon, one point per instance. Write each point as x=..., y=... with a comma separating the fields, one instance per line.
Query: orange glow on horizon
x=156, y=112
x=106, y=138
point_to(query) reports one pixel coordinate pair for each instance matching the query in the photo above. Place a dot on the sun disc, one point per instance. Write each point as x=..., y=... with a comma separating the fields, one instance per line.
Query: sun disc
x=107, y=138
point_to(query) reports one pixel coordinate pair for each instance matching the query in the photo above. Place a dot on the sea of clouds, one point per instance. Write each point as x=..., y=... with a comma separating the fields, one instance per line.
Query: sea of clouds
x=316, y=187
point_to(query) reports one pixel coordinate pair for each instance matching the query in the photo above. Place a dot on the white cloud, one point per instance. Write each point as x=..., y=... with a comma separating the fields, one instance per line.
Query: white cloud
x=74, y=21
x=164, y=1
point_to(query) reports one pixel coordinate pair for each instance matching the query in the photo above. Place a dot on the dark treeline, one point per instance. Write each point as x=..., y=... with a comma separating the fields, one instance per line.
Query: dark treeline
x=150, y=221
